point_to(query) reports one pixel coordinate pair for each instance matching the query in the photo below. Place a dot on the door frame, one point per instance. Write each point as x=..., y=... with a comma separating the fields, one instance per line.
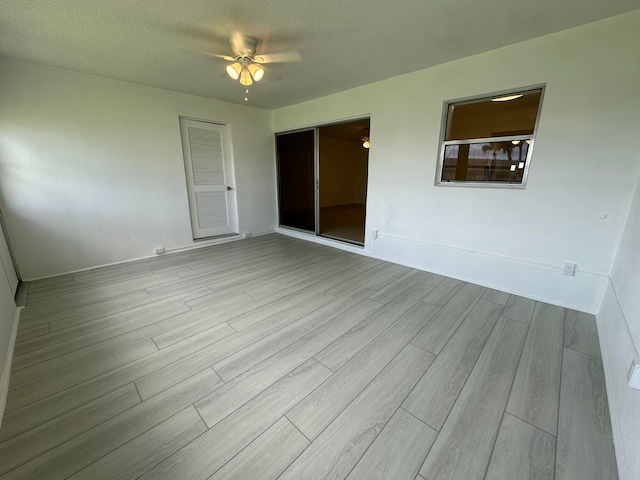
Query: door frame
x=316, y=168
x=231, y=179
x=316, y=178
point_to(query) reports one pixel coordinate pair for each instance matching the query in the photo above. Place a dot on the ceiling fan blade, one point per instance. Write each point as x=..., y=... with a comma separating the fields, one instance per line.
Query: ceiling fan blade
x=218, y=55
x=278, y=57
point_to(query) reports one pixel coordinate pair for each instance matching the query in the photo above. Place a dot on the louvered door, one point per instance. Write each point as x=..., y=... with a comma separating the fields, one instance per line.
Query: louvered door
x=209, y=170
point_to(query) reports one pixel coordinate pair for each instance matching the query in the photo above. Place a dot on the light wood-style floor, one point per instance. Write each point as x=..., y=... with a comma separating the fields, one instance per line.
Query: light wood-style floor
x=345, y=222
x=277, y=358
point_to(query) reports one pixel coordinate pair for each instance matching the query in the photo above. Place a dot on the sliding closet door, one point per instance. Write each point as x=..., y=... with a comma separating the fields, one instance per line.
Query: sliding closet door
x=296, y=180
x=343, y=158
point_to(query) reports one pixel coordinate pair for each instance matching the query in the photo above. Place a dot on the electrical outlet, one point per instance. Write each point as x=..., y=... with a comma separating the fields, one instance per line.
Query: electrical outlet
x=634, y=374
x=158, y=250
x=374, y=233
x=569, y=269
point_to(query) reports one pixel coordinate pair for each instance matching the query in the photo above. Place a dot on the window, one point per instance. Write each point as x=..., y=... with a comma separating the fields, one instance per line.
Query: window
x=488, y=141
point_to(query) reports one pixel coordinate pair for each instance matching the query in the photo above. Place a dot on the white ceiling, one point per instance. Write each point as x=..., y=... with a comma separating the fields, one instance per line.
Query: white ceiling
x=343, y=43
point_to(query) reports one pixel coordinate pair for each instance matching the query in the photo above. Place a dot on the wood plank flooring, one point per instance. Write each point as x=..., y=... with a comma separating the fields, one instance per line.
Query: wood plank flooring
x=343, y=221
x=275, y=358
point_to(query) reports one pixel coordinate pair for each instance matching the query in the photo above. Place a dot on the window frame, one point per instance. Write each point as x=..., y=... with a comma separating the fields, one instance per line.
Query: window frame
x=444, y=143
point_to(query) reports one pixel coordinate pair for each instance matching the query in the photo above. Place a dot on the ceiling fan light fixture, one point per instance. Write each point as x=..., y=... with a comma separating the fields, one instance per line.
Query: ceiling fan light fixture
x=245, y=77
x=245, y=66
x=234, y=70
x=256, y=71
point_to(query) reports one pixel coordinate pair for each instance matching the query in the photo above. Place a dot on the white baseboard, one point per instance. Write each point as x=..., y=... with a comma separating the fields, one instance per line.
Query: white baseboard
x=6, y=369
x=583, y=291
x=530, y=279
x=310, y=237
x=169, y=251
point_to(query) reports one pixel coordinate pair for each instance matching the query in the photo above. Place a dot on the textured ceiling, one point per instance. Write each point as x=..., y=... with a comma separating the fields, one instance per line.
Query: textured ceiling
x=343, y=44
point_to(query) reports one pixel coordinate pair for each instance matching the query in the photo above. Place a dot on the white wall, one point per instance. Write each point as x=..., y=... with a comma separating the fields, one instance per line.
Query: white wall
x=619, y=330
x=625, y=274
x=91, y=169
x=584, y=164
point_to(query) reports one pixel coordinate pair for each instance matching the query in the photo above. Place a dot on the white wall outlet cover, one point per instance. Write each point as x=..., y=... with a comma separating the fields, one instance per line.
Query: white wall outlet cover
x=569, y=269
x=634, y=374
x=247, y=235
x=158, y=250
x=374, y=233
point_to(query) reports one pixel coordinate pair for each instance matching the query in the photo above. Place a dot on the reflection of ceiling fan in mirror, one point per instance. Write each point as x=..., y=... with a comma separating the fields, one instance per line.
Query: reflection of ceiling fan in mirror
x=246, y=65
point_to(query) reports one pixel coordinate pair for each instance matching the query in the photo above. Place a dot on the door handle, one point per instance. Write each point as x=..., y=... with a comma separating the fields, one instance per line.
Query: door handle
x=229, y=188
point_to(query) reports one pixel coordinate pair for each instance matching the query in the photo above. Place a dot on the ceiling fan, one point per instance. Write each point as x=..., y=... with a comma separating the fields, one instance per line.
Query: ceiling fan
x=247, y=66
